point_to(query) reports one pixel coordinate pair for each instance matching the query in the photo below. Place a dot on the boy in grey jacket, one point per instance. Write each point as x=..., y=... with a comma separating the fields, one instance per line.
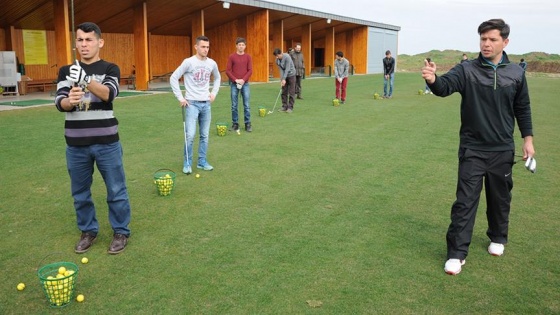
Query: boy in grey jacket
x=341, y=66
x=287, y=80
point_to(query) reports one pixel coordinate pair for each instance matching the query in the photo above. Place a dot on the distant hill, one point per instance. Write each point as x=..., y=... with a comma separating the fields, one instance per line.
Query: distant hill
x=445, y=59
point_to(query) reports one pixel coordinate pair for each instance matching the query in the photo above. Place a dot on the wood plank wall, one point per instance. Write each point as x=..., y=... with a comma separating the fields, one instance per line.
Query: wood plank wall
x=359, y=49
x=258, y=45
x=2, y=40
x=167, y=52
x=161, y=60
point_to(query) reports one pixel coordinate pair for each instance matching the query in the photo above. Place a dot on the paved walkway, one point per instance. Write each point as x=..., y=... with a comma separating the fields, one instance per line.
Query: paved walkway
x=50, y=98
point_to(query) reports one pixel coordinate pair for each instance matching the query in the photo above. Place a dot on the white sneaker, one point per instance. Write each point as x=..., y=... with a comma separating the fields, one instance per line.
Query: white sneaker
x=496, y=249
x=453, y=266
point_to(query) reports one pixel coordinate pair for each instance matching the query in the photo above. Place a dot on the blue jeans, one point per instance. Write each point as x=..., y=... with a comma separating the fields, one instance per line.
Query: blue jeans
x=108, y=157
x=197, y=111
x=246, y=95
x=385, y=81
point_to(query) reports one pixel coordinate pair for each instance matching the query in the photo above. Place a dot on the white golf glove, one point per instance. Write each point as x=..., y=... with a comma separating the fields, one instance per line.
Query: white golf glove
x=78, y=75
x=531, y=164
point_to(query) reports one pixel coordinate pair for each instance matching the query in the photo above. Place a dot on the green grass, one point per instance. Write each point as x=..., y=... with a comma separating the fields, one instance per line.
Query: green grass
x=348, y=206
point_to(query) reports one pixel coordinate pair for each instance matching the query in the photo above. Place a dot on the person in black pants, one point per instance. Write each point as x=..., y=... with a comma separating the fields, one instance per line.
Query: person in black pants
x=494, y=96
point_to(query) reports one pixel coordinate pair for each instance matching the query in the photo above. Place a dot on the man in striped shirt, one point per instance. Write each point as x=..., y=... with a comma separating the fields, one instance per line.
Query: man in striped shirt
x=85, y=92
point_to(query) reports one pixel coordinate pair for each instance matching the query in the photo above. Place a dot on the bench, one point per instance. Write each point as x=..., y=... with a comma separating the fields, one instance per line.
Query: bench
x=39, y=85
x=130, y=82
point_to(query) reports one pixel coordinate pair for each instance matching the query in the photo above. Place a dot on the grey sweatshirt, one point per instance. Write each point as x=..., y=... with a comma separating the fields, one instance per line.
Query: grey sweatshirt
x=286, y=65
x=196, y=76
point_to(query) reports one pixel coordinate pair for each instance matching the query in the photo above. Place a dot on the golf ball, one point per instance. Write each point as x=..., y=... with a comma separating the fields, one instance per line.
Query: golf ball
x=85, y=260
x=80, y=298
x=21, y=286
x=238, y=132
x=197, y=175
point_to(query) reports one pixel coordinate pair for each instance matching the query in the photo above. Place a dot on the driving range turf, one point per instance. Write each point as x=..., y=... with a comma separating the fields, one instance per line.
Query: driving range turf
x=328, y=210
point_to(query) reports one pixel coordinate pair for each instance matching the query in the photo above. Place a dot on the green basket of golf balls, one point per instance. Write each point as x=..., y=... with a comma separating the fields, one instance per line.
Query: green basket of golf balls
x=221, y=129
x=164, y=179
x=58, y=281
x=262, y=111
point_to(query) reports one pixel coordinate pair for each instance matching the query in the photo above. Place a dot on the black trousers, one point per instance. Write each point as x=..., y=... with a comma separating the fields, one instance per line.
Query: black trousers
x=298, y=85
x=475, y=168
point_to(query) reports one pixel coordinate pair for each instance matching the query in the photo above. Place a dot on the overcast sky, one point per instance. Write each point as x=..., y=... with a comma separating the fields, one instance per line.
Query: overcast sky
x=452, y=24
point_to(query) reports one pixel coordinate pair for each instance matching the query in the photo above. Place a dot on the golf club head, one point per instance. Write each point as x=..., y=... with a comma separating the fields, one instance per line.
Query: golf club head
x=531, y=164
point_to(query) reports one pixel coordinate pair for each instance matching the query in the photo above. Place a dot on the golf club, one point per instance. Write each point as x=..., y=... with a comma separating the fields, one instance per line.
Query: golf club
x=277, y=97
x=73, y=30
x=183, y=109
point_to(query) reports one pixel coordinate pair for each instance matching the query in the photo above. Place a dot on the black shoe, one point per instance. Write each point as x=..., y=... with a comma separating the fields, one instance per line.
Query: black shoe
x=235, y=127
x=118, y=244
x=248, y=127
x=86, y=240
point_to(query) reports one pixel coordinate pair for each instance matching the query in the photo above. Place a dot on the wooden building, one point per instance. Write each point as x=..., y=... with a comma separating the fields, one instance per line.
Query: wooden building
x=152, y=37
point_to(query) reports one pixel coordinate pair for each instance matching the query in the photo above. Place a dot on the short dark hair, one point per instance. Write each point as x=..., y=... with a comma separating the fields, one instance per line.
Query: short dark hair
x=240, y=40
x=277, y=51
x=522, y=59
x=203, y=38
x=494, y=24
x=339, y=53
x=388, y=52
x=88, y=27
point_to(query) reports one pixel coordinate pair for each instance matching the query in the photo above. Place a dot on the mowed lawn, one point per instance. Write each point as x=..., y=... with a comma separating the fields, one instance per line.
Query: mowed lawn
x=328, y=210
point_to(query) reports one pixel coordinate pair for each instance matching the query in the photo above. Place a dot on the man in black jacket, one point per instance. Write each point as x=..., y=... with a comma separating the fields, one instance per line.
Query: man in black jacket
x=494, y=96
x=388, y=74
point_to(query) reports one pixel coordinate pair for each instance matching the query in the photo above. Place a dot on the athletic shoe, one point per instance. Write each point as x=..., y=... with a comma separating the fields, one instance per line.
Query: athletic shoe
x=86, y=240
x=206, y=167
x=248, y=127
x=187, y=169
x=235, y=127
x=118, y=244
x=282, y=109
x=496, y=249
x=289, y=111
x=453, y=266
x=342, y=102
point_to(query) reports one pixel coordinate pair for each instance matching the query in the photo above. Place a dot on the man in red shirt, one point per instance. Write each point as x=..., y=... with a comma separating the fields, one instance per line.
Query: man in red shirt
x=239, y=70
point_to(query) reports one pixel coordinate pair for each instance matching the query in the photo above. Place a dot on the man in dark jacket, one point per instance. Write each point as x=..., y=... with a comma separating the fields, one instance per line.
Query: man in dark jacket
x=297, y=57
x=389, y=75
x=494, y=96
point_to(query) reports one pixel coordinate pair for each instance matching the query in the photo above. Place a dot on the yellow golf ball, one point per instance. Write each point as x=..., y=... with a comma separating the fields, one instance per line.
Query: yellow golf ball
x=21, y=286
x=80, y=298
x=197, y=175
x=85, y=260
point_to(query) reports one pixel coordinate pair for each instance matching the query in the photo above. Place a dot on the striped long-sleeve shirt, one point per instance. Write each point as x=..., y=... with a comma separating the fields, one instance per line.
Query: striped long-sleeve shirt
x=91, y=122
